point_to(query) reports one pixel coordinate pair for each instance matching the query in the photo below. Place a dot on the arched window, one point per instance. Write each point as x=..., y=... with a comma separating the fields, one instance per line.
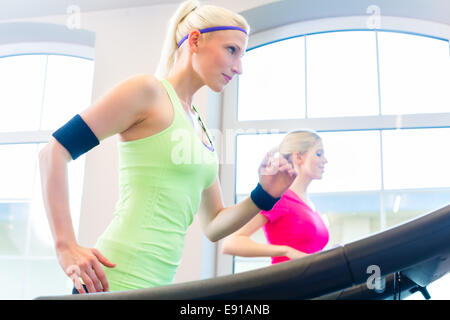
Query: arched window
x=377, y=96
x=46, y=76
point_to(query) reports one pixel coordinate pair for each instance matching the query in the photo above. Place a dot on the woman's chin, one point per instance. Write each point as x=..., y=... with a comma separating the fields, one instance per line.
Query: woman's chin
x=217, y=87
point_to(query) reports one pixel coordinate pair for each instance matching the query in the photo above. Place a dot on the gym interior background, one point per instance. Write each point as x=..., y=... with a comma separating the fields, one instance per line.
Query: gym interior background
x=372, y=77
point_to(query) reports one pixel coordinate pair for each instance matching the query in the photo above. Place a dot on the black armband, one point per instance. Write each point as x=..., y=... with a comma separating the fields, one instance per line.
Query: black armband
x=262, y=199
x=76, y=137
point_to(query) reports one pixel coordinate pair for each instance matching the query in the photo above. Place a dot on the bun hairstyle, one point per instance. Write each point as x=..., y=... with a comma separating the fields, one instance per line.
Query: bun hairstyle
x=298, y=141
x=190, y=15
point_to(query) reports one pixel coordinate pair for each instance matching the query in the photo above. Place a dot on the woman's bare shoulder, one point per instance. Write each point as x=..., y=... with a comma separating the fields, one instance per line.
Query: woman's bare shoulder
x=123, y=106
x=148, y=85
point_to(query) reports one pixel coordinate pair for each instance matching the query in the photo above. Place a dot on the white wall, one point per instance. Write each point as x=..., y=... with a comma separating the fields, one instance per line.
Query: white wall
x=128, y=42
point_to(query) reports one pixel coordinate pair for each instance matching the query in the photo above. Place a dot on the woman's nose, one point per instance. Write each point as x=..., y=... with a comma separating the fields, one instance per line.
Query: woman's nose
x=237, y=68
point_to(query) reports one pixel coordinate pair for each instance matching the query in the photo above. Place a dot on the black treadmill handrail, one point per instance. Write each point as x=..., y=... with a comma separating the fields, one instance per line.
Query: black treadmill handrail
x=422, y=243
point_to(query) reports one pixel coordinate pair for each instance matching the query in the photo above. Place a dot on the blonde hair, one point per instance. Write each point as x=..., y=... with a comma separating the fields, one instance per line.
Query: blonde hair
x=189, y=16
x=298, y=141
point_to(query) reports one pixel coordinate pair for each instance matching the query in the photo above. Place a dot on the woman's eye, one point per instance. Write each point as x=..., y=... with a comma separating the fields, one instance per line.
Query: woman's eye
x=231, y=49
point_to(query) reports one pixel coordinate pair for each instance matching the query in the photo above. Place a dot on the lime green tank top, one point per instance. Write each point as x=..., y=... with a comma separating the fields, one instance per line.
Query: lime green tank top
x=161, y=179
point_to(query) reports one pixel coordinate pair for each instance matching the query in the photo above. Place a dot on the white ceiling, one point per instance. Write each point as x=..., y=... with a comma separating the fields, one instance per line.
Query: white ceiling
x=19, y=9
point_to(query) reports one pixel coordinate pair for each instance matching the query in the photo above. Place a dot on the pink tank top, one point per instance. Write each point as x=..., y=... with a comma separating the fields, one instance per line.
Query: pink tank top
x=293, y=223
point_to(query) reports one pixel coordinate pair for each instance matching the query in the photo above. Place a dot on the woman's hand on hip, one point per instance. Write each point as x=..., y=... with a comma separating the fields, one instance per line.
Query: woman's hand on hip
x=85, y=263
x=292, y=253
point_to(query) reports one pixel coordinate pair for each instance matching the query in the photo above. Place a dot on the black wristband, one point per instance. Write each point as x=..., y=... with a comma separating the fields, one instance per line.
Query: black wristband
x=262, y=199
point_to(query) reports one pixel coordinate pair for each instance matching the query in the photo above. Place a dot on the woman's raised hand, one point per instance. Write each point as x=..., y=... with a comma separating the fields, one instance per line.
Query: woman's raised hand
x=80, y=262
x=276, y=173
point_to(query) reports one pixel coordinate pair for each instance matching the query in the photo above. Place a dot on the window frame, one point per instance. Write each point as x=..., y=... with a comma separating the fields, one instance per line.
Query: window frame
x=229, y=122
x=29, y=38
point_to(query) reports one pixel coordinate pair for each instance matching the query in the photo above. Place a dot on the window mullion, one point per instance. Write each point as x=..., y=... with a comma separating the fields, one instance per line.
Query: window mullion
x=382, y=191
x=41, y=114
x=306, y=81
x=378, y=73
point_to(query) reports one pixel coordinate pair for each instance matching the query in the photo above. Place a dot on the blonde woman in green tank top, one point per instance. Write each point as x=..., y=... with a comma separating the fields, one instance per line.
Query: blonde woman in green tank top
x=168, y=167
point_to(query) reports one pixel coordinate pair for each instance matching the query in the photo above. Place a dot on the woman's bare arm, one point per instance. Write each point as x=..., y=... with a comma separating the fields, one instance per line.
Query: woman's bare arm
x=117, y=111
x=216, y=228
x=241, y=244
x=218, y=221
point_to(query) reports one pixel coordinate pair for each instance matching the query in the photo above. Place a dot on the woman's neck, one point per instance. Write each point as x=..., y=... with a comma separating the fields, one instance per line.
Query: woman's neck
x=185, y=82
x=300, y=187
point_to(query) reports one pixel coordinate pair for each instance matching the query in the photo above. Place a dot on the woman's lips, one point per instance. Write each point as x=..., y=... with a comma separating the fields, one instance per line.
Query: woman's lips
x=226, y=77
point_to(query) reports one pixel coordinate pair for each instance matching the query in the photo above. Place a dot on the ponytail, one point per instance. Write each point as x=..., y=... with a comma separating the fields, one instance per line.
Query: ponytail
x=168, y=54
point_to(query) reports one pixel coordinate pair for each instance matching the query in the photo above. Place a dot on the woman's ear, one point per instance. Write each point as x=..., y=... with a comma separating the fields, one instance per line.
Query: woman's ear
x=194, y=40
x=296, y=157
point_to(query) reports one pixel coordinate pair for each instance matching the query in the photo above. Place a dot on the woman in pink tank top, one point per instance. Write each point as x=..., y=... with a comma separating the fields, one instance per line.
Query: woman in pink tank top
x=293, y=228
